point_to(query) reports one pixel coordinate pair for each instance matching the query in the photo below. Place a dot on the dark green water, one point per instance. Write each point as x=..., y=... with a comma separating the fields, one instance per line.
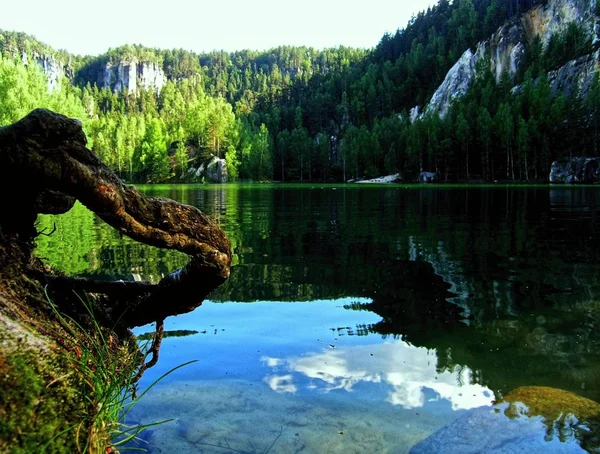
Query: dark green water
x=485, y=289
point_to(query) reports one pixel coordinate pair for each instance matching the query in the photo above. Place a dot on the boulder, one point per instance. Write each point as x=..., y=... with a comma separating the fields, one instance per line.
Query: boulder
x=212, y=171
x=395, y=178
x=428, y=177
x=529, y=419
x=575, y=170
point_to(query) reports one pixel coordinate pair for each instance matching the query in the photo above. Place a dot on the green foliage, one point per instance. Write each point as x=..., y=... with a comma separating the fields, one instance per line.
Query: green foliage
x=233, y=163
x=107, y=372
x=75, y=256
x=572, y=43
x=21, y=90
x=14, y=44
x=33, y=413
x=153, y=157
x=300, y=114
x=181, y=158
x=88, y=245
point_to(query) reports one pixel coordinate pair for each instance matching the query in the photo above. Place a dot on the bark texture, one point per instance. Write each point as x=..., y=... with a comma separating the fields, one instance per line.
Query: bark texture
x=45, y=166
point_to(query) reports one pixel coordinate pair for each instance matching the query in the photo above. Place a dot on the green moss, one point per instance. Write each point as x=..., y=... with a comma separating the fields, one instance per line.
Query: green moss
x=36, y=407
x=551, y=403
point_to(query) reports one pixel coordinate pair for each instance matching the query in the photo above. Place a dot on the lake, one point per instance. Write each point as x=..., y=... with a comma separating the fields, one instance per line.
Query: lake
x=363, y=318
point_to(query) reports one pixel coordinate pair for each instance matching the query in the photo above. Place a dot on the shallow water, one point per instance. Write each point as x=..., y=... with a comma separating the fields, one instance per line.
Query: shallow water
x=255, y=380
x=377, y=315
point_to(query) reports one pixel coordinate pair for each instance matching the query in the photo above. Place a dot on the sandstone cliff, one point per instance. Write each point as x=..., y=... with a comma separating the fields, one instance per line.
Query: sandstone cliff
x=504, y=51
x=131, y=75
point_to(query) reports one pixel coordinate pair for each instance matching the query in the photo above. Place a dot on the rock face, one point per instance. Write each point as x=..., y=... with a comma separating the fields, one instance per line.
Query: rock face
x=212, y=171
x=575, y=170
x=414, y=114
x=131, y=75
x=505, y=49
x=576, y=76
x=54, y=69
x=457, y=82
x=27, y=51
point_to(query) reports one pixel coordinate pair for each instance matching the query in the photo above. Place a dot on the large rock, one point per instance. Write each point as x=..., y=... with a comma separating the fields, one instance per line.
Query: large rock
x=428, y=177
x=551, y=403
x=213, y=171
x=529, y=419
x=506, y=47
x=575, y=170
x=395, y=178
x=575, y=77
x=489, y=430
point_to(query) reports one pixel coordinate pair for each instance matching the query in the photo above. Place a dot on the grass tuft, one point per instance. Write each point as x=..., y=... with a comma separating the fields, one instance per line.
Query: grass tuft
x=105, y=370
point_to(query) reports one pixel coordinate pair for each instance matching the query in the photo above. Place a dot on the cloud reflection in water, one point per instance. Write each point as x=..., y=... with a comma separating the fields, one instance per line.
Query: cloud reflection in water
x=406, y=369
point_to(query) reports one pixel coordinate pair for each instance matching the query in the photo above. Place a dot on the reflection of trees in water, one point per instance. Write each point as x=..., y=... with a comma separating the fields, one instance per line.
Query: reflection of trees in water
x=521, y=265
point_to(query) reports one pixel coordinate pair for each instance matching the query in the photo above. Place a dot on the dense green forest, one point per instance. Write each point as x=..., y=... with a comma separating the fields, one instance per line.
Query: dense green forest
x=300, y=114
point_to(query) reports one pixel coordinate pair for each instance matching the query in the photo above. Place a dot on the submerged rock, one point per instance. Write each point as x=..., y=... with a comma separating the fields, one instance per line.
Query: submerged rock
x=575, y=170
x=529, y=419
x=551, y=403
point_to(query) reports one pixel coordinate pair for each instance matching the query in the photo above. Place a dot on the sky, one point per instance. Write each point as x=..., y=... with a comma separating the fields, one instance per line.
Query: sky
x=203, y=26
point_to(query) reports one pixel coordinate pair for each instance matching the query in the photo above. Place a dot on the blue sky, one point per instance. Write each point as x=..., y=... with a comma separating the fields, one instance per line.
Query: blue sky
x=205, y=26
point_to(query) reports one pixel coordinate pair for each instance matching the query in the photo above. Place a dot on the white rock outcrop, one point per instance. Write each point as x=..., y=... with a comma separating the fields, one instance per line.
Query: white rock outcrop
x=505, y=48
x=457, y=82
x=54, y=69
x=131, y=75
x=212, y=171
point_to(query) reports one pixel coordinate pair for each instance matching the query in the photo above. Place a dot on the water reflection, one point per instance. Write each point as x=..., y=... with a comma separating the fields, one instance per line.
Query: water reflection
x=490, y=430
x=407, y=371
x=285, y=372
x=496, y=288
x=498, y=277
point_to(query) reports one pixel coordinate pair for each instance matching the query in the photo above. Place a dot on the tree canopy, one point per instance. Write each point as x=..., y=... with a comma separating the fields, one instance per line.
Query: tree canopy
x=301, y=114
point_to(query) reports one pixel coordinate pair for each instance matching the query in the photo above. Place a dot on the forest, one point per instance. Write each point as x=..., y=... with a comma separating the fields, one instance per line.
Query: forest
x=301, y=114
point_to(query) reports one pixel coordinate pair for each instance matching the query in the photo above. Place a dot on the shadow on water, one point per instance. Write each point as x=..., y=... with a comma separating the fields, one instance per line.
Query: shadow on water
x=174, y=333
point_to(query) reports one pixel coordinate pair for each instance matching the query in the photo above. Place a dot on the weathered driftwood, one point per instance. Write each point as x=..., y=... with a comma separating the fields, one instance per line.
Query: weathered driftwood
x=44, y=157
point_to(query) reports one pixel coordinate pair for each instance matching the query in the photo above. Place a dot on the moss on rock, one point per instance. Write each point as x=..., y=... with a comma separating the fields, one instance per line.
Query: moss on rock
x=37, y=407
x=551, y=403
x=61, y=381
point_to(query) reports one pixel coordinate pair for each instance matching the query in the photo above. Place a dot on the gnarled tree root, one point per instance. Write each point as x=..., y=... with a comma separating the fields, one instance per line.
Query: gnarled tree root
x=45, y=156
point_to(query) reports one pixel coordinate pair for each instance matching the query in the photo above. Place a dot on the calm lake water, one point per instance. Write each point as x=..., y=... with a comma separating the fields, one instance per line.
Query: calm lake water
x=368, y=318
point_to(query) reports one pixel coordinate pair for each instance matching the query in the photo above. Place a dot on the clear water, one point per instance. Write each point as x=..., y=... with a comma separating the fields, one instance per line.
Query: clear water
x=368, y=319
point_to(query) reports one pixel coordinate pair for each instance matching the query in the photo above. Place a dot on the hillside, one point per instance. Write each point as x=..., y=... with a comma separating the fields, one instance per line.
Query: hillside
x=506, y=87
